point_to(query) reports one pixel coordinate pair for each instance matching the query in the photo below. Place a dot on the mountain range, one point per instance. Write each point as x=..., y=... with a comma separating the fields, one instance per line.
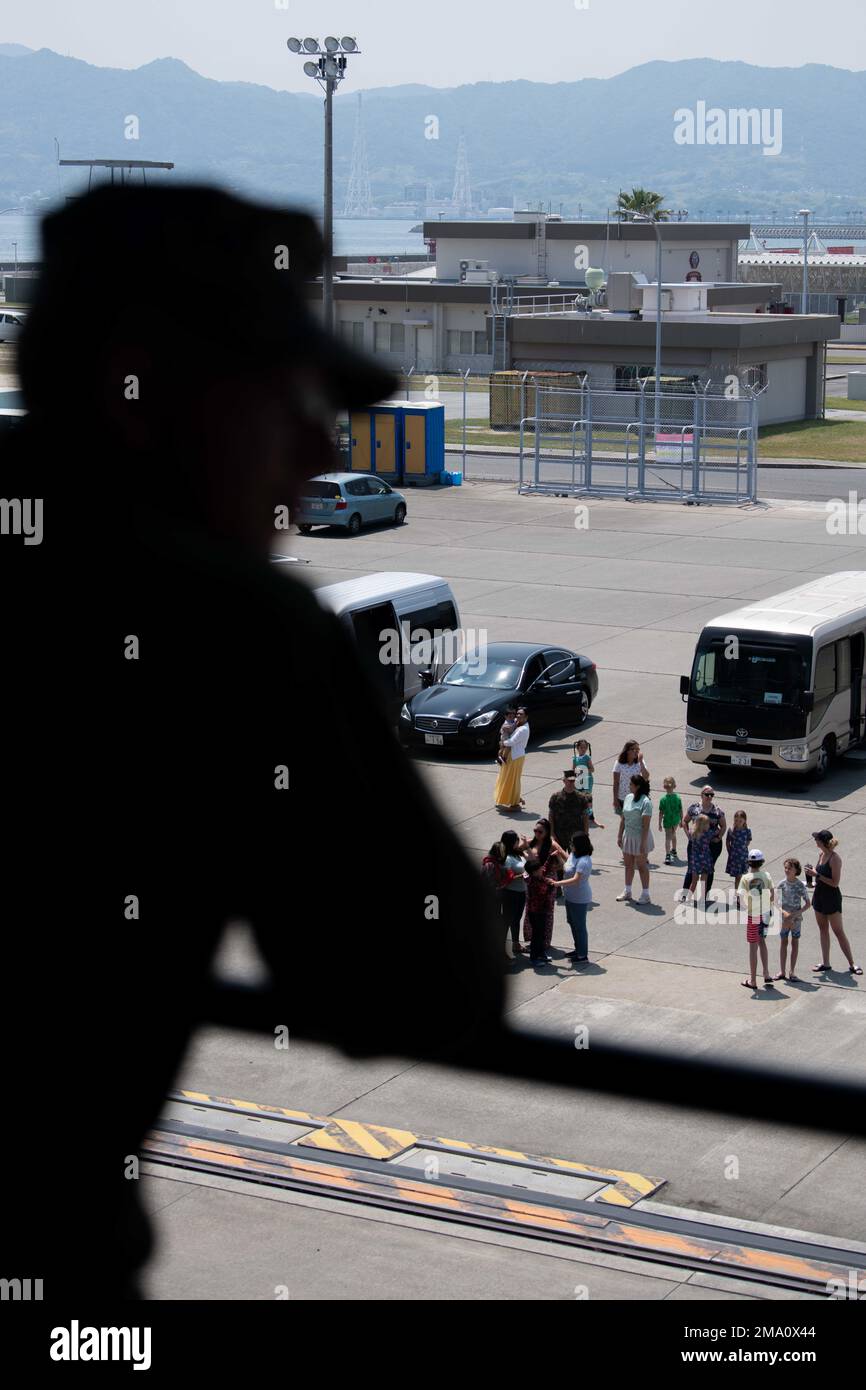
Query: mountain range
x=574, y=143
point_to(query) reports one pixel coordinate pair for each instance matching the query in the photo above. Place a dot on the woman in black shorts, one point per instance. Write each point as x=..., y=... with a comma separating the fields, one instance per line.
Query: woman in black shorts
x=827, y=901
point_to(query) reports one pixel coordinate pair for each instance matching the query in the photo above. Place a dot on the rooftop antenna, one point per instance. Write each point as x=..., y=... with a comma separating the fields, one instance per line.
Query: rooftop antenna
x=461, y=198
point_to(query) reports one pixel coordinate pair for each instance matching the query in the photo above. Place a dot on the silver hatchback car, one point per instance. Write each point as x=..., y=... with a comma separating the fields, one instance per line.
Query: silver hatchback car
x=350, y=500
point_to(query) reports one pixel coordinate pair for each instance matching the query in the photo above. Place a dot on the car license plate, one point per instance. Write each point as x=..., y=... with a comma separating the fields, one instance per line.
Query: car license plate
x=741, y=760
x=316, y=506
x=434, y=738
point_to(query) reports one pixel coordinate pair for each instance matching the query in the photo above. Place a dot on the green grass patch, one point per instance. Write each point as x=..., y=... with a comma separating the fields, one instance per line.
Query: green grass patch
x=479, y=432
x=842, y=441
x=840, y=403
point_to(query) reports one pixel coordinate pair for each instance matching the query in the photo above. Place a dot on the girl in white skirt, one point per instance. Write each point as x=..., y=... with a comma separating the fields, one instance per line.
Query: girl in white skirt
x=635, y=837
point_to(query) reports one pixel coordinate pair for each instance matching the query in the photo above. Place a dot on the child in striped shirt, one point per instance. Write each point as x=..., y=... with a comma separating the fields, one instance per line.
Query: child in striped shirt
x=793, y=898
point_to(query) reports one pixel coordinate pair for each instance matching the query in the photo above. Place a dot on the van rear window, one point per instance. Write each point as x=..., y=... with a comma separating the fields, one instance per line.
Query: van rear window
x=317, y=489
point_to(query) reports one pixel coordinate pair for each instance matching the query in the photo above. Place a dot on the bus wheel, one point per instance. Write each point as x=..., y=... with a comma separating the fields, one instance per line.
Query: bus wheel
x=826, y=754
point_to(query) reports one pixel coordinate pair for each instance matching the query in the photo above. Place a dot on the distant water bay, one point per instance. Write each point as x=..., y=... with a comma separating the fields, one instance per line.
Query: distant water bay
x=352, y=237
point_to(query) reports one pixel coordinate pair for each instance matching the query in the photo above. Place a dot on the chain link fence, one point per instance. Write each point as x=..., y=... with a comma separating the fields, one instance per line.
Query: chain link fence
x=680, y=445
x=554, y=432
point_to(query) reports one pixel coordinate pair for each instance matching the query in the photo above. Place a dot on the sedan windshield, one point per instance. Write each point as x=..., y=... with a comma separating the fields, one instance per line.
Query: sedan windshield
x=750, y=675
x=493, y=675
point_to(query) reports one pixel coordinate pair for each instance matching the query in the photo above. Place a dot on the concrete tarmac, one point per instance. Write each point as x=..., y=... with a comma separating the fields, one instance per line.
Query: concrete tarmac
x=632, y=591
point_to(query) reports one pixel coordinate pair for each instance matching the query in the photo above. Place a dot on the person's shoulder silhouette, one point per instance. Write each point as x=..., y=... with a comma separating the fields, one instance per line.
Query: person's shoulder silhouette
x=198, y=741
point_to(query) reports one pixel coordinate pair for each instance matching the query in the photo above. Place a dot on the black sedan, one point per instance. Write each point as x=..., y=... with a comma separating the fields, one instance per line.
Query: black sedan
x=466, y=710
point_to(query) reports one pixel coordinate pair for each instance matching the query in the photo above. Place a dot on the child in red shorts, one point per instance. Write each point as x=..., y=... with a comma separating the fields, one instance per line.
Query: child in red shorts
x=757, y=890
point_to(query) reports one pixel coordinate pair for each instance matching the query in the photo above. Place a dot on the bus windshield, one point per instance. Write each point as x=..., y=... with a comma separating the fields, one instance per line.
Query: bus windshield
x=735, y=672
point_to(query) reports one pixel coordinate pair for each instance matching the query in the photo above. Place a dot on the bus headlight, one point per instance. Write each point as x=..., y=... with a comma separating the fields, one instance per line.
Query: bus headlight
x=794, y=752
x=695, y=743
x=405, y=714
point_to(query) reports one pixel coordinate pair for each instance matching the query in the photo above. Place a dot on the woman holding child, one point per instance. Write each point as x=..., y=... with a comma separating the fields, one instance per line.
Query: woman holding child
x=506, y=795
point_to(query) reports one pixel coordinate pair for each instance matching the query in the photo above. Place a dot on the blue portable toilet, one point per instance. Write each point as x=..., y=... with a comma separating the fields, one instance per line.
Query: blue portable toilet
x=402, y=441
x=423, y=454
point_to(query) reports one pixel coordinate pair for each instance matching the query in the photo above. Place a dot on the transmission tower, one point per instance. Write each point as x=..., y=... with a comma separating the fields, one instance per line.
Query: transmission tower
x=461, y=198
x=359, y=198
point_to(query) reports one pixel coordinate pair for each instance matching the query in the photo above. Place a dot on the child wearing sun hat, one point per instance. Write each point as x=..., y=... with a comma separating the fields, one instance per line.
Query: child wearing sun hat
x=757, y=890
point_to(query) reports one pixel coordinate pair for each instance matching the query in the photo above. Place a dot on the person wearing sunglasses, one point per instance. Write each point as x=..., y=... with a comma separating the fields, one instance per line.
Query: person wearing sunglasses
x=706, y=807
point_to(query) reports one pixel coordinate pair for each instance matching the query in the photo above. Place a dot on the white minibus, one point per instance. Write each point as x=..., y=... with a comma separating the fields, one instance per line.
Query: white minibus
x=778, y=685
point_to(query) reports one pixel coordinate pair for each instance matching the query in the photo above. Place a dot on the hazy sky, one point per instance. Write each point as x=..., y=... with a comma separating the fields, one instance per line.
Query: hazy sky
x=444, y=42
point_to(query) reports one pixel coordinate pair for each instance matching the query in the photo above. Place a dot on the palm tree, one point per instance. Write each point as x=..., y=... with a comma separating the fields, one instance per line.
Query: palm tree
x=644, y=203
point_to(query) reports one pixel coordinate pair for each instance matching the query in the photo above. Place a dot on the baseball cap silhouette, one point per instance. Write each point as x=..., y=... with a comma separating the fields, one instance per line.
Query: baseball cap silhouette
x=196, y=274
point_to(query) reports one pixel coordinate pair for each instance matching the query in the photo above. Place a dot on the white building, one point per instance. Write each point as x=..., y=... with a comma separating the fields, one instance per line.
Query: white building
x=508, y=295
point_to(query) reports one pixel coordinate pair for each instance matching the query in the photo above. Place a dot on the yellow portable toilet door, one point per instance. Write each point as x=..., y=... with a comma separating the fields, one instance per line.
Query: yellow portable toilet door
x=385, y=458
x=359, y=433
x=415, y=427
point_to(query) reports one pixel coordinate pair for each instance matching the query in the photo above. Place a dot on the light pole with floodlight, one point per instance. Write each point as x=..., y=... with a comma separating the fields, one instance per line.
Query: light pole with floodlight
x=644, y=217
x=327, y=66
x=805, y=213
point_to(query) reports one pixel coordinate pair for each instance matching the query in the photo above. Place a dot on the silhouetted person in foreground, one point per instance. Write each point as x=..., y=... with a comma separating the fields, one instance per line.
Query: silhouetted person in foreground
x=163, y=681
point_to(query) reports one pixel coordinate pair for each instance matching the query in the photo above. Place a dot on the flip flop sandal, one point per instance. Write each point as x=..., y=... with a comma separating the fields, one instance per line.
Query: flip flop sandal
x=855, y=970
x=747, y=984
x=769, y=981
x=816, y=969
x=793, y=979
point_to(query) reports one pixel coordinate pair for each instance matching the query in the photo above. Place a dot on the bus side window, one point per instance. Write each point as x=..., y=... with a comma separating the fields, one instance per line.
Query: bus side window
x=825, y=681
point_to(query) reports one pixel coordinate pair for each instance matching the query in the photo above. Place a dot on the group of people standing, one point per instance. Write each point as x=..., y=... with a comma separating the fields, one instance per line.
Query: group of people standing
x=791, y=898
x=528, y=872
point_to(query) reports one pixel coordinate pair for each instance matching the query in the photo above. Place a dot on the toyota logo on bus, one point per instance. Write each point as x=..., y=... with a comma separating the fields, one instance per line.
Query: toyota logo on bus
x=742, y=733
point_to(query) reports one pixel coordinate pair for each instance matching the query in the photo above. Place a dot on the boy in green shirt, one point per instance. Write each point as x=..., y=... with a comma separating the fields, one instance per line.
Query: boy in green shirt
x=670, y=817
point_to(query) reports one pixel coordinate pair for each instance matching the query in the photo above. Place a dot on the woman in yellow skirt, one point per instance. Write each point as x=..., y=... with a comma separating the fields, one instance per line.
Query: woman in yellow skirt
x=506, y=794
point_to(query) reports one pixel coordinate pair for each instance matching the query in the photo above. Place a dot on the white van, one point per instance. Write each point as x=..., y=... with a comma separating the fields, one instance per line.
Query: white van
x=779, y=685
x=406, y=626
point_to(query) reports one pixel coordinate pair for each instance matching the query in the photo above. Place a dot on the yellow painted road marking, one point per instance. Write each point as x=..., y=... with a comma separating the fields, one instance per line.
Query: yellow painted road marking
x=383, y=1142
x=351, y=1137
x=254, y=1107
x=625, y=1188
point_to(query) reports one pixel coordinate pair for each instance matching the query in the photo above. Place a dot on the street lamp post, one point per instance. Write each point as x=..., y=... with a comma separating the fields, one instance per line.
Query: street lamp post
x=805, y=213
x=658, y=367
x=326, y=64
x=643, y=217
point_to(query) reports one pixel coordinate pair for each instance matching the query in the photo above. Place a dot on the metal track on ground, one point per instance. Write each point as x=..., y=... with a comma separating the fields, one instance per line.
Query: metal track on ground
x=500, y=1190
